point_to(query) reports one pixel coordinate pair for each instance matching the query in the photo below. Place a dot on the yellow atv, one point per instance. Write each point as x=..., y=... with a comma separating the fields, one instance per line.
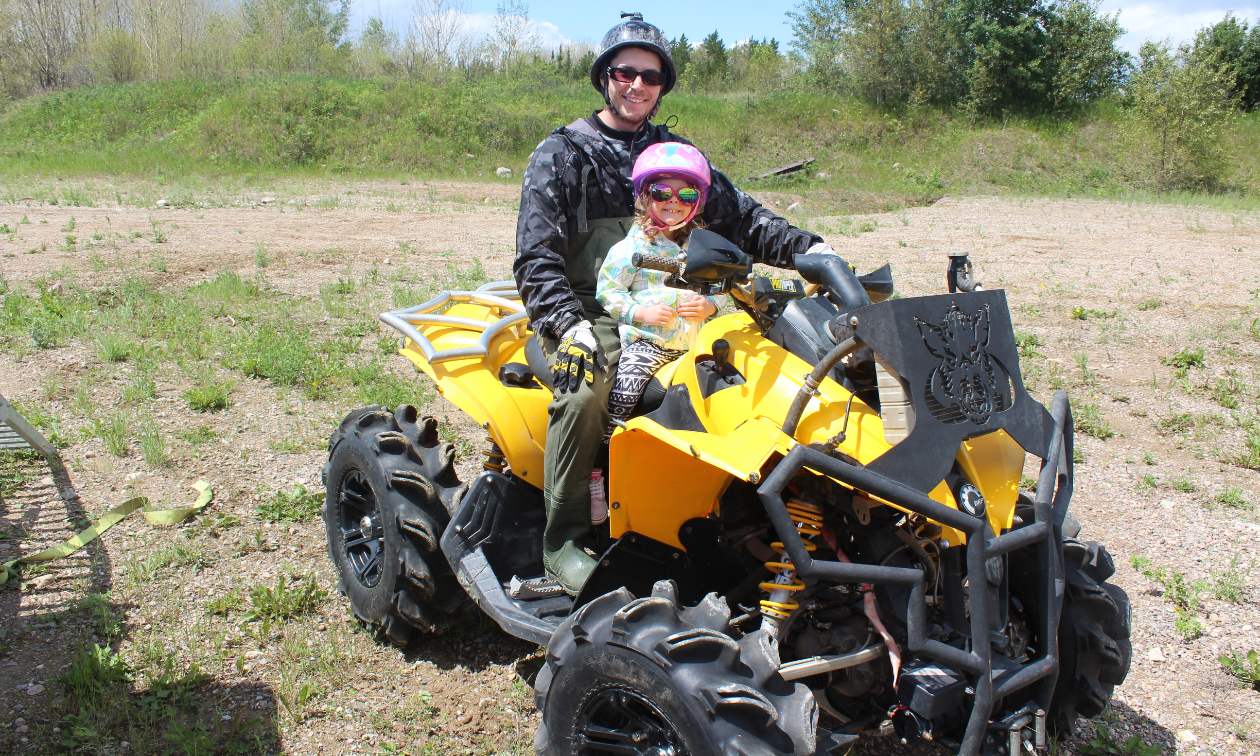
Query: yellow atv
x=788, y=534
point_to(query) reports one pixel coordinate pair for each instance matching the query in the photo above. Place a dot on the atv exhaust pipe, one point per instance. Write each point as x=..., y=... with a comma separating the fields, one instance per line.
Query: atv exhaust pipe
x=817, y=665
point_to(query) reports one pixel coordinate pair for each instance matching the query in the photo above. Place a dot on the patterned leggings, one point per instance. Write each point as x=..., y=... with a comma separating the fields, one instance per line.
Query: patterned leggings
x=635, y=368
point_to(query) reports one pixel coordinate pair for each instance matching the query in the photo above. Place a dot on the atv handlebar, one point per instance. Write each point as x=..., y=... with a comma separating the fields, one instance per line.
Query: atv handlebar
x=657, y=262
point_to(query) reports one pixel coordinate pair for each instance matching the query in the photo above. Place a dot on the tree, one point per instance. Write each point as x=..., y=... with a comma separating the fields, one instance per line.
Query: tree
x=1084, y=63
x=1181, y=107
x=513, y=33
x=378, y=48
x=1005, y=44
x=819, y=28
x=435, y=33
x=1231, y=43
x=712, y=66
x=875, y=49
x=680, y=53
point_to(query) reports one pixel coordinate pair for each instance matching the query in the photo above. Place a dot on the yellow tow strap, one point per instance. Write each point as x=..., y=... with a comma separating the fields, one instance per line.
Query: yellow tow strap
x=109, y=520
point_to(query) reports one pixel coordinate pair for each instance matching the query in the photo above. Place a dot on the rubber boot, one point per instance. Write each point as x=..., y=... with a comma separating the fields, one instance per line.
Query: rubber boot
x=565, y=560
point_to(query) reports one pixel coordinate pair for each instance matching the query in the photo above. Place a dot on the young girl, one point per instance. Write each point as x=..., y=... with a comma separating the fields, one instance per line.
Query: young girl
x=658, y=323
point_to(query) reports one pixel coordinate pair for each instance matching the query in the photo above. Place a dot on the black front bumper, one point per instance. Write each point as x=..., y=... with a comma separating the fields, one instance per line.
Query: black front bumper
x=1054, y=491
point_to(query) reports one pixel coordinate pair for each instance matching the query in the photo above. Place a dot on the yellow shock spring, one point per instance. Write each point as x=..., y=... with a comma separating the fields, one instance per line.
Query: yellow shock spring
x=494, y=457
x=808, y=520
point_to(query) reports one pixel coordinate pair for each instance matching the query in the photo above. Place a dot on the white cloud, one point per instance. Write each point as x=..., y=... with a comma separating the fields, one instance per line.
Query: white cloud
x=1168, y=19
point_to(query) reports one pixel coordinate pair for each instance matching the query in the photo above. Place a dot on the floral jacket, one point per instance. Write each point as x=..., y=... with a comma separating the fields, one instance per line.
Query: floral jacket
x=624, y=288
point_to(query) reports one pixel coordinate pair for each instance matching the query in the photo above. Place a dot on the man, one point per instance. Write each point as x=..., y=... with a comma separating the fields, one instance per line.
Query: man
x=577, y=200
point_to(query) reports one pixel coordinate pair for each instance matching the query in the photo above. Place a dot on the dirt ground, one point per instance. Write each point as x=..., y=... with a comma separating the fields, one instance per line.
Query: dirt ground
x=1113, y=292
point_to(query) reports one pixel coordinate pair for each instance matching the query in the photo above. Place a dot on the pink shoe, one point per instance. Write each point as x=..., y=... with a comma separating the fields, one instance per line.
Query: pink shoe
x=599, y=499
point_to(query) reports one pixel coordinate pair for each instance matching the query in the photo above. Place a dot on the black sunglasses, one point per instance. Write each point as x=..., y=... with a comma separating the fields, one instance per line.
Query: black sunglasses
x=628, y=75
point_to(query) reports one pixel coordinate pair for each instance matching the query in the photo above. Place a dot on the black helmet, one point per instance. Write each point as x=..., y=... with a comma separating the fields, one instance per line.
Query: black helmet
x=634, y=32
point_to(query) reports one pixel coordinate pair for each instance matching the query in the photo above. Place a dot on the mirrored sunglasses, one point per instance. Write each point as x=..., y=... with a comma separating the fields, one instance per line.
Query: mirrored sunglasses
x=688, y=195
x=628, y=75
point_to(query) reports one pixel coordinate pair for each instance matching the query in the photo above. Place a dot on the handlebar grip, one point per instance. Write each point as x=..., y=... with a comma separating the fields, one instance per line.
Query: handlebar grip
x=657, y=262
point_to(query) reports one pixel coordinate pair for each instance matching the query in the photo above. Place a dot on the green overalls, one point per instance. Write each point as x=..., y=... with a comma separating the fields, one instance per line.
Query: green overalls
x=578, y=419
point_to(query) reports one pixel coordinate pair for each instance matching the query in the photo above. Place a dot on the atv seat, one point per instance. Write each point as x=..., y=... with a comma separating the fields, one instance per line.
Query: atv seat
x=653, y=394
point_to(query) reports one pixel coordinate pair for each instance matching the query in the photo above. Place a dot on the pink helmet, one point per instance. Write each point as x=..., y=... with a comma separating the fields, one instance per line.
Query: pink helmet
x=672, y=160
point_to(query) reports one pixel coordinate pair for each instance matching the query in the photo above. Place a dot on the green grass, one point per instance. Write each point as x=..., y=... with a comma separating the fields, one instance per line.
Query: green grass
x=1185, y=359
x=233, y=129
x=1090, y=421
x=284, y=602
x=298, y=505
x=208, y=394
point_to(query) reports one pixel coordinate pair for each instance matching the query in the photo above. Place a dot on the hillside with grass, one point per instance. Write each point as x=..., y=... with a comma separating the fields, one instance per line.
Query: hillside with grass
x=296, y=125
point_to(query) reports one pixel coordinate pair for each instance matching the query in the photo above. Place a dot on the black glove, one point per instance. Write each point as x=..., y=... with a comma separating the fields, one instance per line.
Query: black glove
x=577, y=358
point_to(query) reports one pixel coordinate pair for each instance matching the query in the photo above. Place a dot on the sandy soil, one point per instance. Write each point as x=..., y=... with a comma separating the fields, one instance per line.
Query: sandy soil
x=1113, y=260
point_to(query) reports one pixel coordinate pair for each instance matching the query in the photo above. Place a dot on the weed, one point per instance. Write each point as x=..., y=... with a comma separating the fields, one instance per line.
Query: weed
x=298, y=505
x=169, y=684
x=1175, y=423
x=113, y=433
x=1080, y=313
x=1225, y=392
x=1187, y=624
x=153, y=444
x=1230, y=584
x=1150, y=304
x=1088, y=376
x=1250, y=457
x=1233, y=498
x=1149, y=459
x=1105, y=744
x=213, y=525
x=1185, y=359
x=260, y=255
x=16, y=470
x=105, y=622
x=283, y=602
x=1184, y=485
x=1245, y=668
x=207, y=394
x=1027, y=483
x=228, y=602
x=144, y=569
x=304, y=694
x=93, y=672
x=1090, y=421
x=202, y=434
x=113, y=348
x=141, y=388
x=1148, y=482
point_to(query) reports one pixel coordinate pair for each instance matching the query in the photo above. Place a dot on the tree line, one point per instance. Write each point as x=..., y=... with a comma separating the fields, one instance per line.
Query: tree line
x=974, y=59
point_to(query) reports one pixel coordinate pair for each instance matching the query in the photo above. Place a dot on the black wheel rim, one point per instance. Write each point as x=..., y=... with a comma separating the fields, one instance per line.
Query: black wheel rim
x=362, y=537
x=621, y=722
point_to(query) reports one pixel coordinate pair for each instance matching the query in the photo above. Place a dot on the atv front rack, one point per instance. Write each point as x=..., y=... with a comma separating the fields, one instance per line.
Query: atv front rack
x=500, y=294
x=988, y=680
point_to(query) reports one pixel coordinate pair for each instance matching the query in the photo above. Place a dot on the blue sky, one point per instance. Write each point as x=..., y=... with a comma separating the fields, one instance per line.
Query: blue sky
x=740, y=19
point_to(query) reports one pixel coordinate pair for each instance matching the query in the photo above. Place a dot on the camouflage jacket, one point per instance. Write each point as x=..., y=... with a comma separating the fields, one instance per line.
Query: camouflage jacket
x=552, y=198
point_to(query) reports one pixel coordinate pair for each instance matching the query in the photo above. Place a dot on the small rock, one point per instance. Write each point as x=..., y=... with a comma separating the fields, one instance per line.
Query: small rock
x=1168, y=504
x=34, y=690
x=469, y=155
x=21, y=728
x=1156, y=654
x=503, y=171
x=794, y=207
x=19, y=722
x=1185, y=736
x=42, y=581
x=46, y=481
x=823, y=175
x=896, y=165
x=57, y=289
x=268, y=200
x=387, y=261
x=163, y=203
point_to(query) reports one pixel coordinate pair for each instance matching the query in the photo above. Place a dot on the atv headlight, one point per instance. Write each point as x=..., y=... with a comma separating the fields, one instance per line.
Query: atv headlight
x=970, y=500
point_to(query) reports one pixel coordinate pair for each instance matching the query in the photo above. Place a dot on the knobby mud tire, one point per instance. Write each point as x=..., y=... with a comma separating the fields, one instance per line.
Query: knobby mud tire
x=1094, y=629
x=391, y=467
x=646, y=675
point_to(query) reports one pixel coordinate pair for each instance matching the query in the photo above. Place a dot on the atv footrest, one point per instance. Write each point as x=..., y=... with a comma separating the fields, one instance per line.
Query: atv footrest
x=485, y=517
